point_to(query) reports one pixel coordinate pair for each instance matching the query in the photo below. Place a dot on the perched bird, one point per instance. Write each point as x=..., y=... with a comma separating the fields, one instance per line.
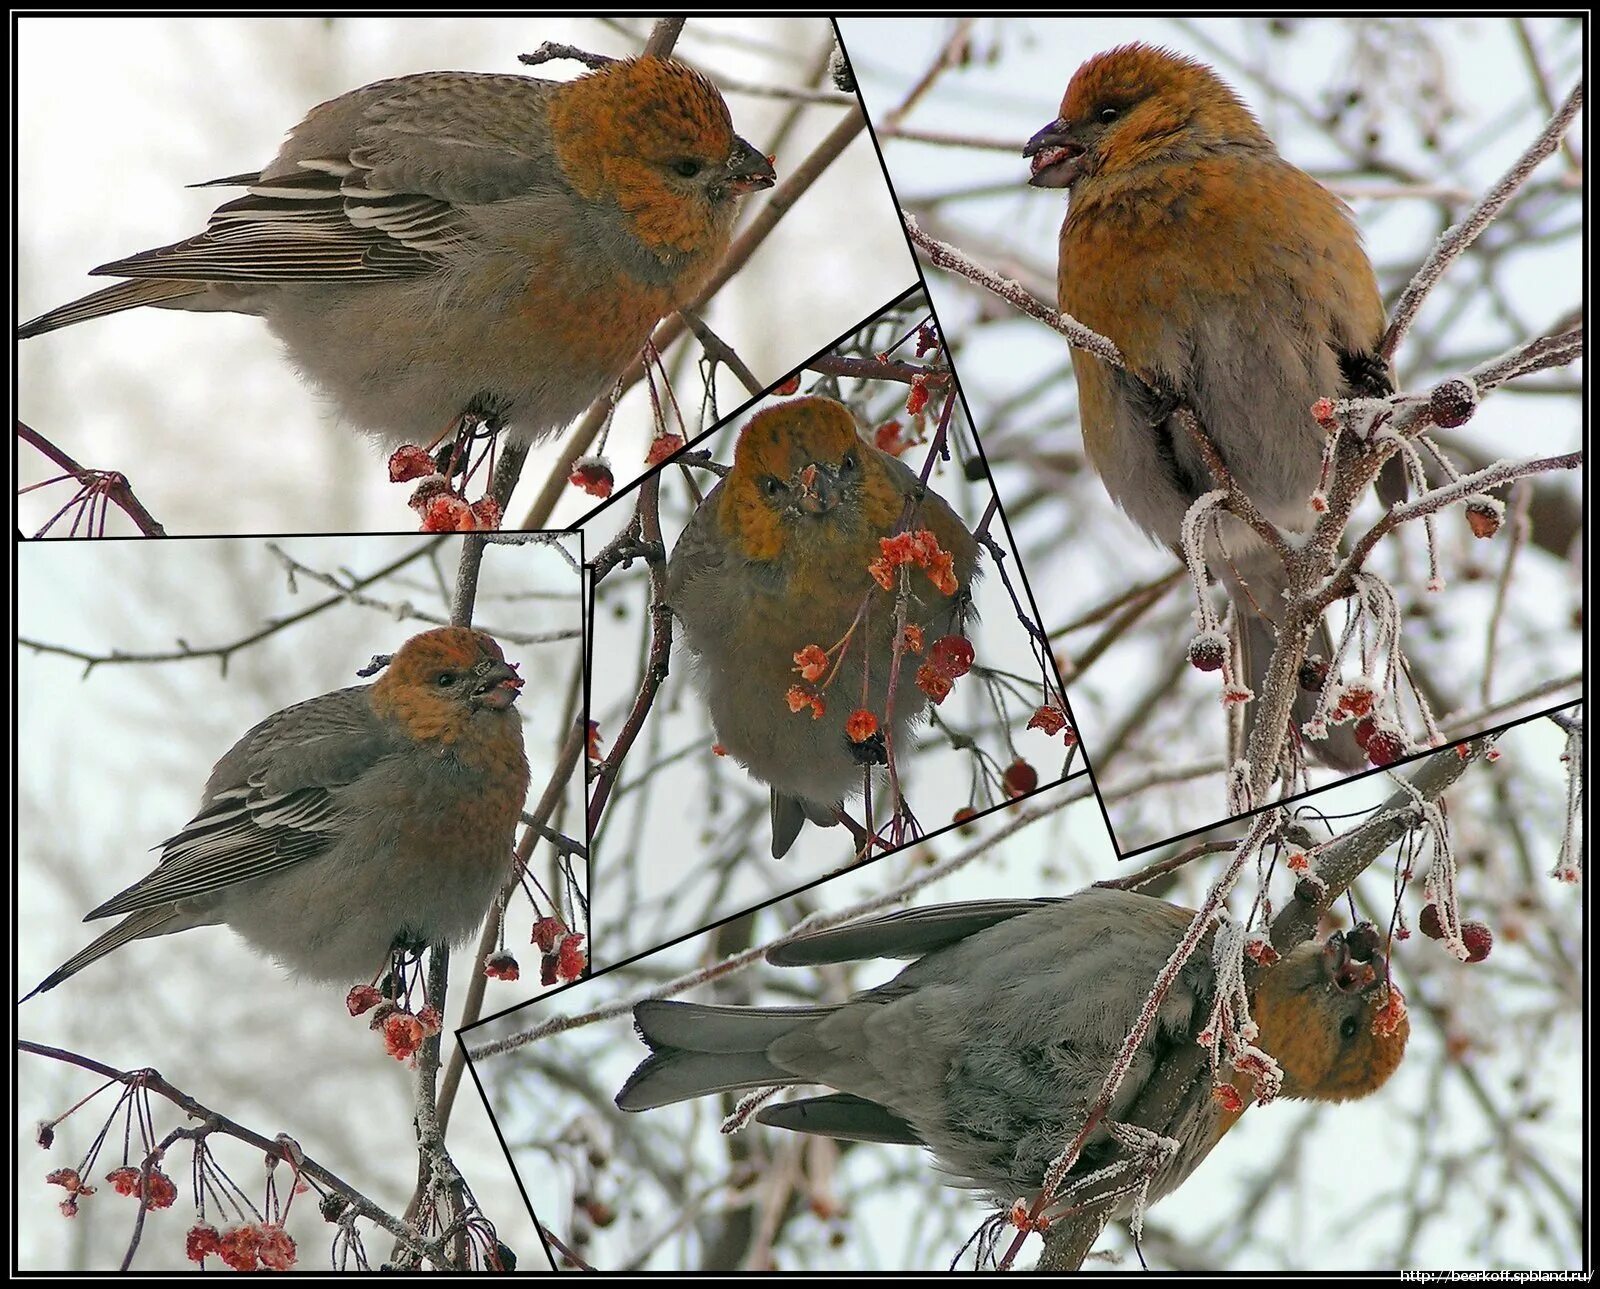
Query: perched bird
x=1233, y=283
x=369, y=819
x=992, y=1045
x=458, y=243
x=777, y=559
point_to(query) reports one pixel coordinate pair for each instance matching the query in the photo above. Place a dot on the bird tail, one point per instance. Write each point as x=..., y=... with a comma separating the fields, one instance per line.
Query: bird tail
x=113, y=299
x=697, y=1050
x=136, y=926
x=789, y=815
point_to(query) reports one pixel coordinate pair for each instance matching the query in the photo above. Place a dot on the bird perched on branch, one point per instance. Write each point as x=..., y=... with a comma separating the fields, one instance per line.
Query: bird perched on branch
x=455, y=243
x=1233, y=283
x=991, y=1047
x=789, y=598
x=370, y=819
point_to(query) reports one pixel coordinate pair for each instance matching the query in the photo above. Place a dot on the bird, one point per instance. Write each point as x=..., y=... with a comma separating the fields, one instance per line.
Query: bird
x=775, y=560
x=342, y=828
x=1233, y=283
x=453, y=245
x=991, y=1046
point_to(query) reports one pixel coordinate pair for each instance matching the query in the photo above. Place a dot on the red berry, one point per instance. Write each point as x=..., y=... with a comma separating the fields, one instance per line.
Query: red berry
x=203, y=1239
x=1356, y=700
x=1452, y=403
x=1208, y=652
x=409, y=461
x=1478, y=939
x=486, y=514
x=276, y=1249
x=951, y=655
x=1050, y=719
x=662, y=448
x=570, y=958
x=933, y=682
x=1019, y=778
x=1483, y=516
x=238, y=1247
x=502, y=966
x=1384, y=747
x=593, y=475
x=860, y=725
x=445, y=513
x=1428, y=922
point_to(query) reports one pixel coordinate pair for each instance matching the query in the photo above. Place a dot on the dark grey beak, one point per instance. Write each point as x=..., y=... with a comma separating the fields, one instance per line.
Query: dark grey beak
x=747, y=170
x=1057, y=159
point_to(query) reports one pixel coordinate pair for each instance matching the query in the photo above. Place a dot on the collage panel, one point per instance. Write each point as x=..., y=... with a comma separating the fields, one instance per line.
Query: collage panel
x=228, y=696
x=1032, y=644
x=809, y=1106
x=1458, y=608
x=288, y=418
x=835, y=554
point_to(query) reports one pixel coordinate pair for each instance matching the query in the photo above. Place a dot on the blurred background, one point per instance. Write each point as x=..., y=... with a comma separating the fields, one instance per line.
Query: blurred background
x=214, y=429
x=114, y=758
x=1411, y=121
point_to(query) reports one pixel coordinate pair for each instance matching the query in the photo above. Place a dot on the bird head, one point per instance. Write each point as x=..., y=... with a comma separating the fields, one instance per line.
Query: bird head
x=803, y=480
x=1134, y=105
x=440, y=679
x=654, y=136
x=1332, y=1019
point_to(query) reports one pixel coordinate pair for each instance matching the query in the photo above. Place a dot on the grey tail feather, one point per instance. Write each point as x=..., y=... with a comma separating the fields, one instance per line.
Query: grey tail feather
x=134, y=927
x=114, y=299
x=788, y=818
x=703, y=1027
x=789, y=815
x=697, y=1050
x=669, y=1076
x=841, y=1115
x=1393, y=486
x=1339, y=750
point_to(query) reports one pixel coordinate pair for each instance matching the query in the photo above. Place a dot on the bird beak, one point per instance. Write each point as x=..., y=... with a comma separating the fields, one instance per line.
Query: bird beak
x=1058, y=161
x=816, y=489
x=1350, y=976
x=747, y=170
x=497, y=687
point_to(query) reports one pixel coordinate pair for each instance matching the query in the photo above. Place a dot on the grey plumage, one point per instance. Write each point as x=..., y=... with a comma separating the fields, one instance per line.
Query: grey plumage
x=987, y=1049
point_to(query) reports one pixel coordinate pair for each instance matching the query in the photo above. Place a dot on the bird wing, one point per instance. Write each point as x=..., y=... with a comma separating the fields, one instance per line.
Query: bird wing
x=371, y=184
x=272, y=801
x=699, y=551
x=910, y=933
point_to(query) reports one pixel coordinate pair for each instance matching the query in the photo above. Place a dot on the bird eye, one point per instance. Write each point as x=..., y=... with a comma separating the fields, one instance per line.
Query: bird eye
x=1107, y=115
x=688, y=167
x=1348, y=1028
x=848, y=465
x=772, y=485
x=445, y=679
